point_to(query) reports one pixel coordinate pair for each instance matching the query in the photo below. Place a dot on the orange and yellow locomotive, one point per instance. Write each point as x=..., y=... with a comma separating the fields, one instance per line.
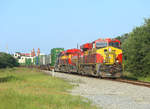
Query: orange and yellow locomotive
x=102, y=58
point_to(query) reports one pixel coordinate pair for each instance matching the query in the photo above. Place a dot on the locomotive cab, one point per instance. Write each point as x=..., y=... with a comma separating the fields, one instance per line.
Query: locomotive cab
x=109, y=57
x=109, y=49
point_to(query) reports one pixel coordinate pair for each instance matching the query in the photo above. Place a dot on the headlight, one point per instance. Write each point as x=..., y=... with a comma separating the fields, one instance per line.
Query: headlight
x=109, y=49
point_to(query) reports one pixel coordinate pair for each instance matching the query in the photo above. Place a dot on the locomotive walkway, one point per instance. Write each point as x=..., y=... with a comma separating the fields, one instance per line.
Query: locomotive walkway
x=109, y=94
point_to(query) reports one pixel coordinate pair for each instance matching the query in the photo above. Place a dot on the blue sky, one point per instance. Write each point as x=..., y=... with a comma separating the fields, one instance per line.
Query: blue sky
x=45, y=24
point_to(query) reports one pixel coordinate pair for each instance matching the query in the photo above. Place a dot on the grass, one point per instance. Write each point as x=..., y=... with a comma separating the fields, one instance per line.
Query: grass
x=130, y=76
x=22, y=88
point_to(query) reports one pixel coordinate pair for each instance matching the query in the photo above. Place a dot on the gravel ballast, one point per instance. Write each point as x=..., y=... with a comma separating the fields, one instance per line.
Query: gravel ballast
x=109, y=94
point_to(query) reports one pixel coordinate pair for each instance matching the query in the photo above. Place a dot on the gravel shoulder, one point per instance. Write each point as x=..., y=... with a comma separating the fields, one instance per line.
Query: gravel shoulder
x=108, y=94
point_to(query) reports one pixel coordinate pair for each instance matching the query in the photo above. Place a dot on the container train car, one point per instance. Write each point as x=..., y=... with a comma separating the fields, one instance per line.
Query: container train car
x=54, y=54
x=47, y=62
x=42, y=61
x=101, y=58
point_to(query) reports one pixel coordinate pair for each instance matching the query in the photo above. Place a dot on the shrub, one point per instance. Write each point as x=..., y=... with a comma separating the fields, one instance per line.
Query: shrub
x=6, y=60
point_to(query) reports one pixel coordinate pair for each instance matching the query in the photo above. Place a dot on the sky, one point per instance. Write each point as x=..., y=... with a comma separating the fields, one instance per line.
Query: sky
x=47, y=24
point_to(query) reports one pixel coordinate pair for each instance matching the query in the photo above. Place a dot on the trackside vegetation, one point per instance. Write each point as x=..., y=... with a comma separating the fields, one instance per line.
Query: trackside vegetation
x=22, y=88
x=136, y=52
x=6, y=60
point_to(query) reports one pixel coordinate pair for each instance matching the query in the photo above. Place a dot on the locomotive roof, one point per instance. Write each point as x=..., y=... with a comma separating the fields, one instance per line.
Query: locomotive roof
x=106, y=40
x=72, y=50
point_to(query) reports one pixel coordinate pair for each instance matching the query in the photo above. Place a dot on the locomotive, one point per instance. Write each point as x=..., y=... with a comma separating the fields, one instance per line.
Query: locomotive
x=100, y=58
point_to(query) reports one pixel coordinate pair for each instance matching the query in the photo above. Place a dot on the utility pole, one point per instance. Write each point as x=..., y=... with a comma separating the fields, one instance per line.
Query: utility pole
x=7, y=48
x=77, y=46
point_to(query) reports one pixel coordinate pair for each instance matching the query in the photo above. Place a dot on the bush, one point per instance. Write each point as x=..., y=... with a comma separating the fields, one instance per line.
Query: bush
x=6, y=60
x=136, y=50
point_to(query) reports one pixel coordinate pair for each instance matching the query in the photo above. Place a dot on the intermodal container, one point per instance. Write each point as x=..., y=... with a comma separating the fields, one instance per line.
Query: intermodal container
x=28, y=62
x=44, y=59
x=36, y=60
x=54, y=54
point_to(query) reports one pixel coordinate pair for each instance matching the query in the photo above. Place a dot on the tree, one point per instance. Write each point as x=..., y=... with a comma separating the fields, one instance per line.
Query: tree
x=136, y=50
x=6, y=60
x=123, y=37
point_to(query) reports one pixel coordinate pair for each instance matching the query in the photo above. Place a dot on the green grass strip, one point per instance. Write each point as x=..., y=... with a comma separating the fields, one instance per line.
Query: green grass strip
x=22, y=88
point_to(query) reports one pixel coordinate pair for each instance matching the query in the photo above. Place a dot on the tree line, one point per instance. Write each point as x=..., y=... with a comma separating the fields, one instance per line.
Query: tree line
x=136, y=50
x=6, y=60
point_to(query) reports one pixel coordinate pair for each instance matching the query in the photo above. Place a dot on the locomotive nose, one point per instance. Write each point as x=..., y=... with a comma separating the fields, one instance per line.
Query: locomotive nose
x=110, y=56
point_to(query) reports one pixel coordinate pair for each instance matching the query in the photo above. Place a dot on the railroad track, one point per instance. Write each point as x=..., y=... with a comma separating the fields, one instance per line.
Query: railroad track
x=135, y=82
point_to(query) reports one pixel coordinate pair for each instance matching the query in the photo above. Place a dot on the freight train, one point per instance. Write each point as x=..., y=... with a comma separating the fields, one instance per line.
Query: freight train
x=100, y=58
x=42, y=61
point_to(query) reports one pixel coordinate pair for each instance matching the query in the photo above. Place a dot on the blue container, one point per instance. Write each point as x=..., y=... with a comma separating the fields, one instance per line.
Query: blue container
x=37, y=60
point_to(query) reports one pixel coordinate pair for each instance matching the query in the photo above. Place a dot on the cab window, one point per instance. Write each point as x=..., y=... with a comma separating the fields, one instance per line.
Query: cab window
x=114, y=44
x=101, y=44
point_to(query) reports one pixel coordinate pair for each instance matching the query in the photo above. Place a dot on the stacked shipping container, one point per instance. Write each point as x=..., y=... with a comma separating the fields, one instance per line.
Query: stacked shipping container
x=54, y=53
x=42, y=59
x=45, y=59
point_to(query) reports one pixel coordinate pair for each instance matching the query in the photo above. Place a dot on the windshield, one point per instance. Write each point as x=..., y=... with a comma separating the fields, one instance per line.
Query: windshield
x=114, y=44
x=101, y=44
